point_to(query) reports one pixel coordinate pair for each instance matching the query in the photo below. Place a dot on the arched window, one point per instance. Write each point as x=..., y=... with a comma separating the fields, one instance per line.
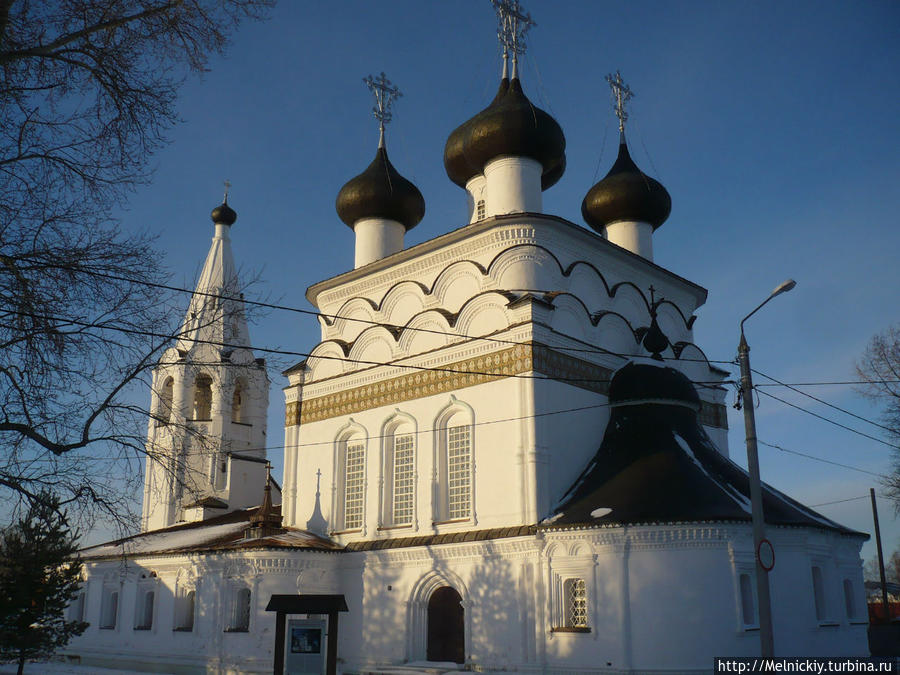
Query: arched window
x=203, y=397
x=165, y=400
x=480, y=210
x=237, y=402
x=454, y=448
x=399, y=470
x=350, y=478
x=354, y=483
x=239, y=622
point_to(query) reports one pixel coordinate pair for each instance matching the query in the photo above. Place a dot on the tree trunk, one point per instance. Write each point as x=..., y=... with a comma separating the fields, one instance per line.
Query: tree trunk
x=21, y=665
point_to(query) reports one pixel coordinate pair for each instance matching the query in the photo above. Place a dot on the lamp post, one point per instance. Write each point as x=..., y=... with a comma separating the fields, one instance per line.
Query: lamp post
x=766, y=637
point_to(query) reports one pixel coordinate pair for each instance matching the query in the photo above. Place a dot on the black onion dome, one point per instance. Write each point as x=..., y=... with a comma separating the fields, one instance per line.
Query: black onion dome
x=626, y=193
x=510, y=125
x=223, y=214
x=635, y=382
x=380, y=192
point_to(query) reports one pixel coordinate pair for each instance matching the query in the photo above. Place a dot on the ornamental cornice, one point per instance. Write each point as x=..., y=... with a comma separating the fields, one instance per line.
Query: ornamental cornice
x=480, y=369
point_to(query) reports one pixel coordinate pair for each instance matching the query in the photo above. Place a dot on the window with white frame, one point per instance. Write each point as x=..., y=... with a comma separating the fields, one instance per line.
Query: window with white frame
x=239, y=620
x=109, y=608
x=575, y=603
x=459, y=472
x=402, y=466
x=143, y=609
x=354, y=483
x=185, y=608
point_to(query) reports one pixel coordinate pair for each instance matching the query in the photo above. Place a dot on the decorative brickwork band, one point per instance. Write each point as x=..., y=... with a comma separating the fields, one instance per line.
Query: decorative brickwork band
x=524, y=358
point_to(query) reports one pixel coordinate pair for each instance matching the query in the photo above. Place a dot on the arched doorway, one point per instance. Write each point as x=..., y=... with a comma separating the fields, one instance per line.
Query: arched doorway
x=446, y=632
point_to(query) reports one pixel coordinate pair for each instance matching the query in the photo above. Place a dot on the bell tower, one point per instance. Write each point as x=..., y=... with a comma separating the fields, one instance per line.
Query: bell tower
x=207, y=433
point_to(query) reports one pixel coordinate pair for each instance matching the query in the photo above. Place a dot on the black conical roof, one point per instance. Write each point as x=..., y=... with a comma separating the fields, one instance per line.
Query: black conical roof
x=380, y=192
x=510, y=125
x=626, y=193
x=656, y=464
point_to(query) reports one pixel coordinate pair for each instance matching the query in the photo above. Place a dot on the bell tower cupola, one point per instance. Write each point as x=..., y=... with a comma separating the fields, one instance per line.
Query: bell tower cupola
x=510, y=152
x=207, y=433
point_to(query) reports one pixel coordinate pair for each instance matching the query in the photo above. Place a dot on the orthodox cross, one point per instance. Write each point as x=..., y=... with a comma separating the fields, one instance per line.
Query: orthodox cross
x=621, y=94
x=227, y=188
x=511, y=32
x=385, y=93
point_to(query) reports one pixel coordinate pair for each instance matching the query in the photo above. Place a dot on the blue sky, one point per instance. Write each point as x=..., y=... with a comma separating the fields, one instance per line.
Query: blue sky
x=773, y=125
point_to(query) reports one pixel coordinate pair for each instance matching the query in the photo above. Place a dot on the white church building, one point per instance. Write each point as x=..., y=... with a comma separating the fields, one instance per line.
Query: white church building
x=505, y=453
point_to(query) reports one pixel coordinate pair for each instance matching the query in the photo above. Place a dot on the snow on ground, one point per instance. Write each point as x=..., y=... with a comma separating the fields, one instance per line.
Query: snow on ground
x=57, y=668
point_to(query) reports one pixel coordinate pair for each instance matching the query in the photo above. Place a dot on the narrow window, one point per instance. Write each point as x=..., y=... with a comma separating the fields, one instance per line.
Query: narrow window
x=849, y=601
x=403, y=474
x=203, y=398
x=76, y=609
x=184, y=619
x=143, y=615
x=480, y=210
x=109, y=609
x=237, y=403
x=165, y=401
x=819, y=593
x=240, y=612
x=354, y=485
x=748, y=609
x=575, y=597
x=459, y=472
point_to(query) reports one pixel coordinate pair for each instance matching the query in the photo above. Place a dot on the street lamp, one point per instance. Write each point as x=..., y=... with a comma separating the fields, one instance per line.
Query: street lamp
x=766, y=638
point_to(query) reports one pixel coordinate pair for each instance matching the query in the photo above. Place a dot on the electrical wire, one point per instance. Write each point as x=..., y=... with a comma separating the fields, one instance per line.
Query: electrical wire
x=830, y=421
x=819, y=459
x=819, y=400
x=840, y=501
x=334, y=317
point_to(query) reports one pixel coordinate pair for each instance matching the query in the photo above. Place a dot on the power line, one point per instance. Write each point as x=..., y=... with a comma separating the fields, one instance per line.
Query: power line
x=830, y=421
x=818, y=459
x=334, y=317
x=343, y=359
x=820, y=384
x=830, y=405
x=839, y=501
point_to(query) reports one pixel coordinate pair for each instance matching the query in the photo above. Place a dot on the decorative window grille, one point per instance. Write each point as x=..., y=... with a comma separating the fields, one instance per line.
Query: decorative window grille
x=403, y=488
x=575, y=596
x=240, y=612
x=480, y=210
x=354, y=487
x=109, y=610
x=459, y=472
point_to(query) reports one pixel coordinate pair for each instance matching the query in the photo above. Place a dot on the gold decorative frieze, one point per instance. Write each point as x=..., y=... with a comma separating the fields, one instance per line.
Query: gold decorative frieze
x=523, y=358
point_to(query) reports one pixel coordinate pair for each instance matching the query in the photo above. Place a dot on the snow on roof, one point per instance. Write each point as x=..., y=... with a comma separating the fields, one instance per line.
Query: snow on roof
x=225, y=532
